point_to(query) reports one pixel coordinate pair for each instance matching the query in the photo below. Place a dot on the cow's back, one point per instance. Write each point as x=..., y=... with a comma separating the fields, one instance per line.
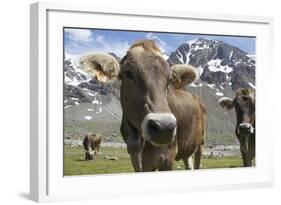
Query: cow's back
x=191, y=121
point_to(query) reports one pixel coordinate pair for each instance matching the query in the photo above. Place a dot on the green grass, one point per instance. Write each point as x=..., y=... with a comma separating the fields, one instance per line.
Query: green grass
x=74, y=163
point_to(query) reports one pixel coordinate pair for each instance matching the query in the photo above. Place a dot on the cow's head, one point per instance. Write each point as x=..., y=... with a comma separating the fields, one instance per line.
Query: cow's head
x=146, y=80
x=244, y=104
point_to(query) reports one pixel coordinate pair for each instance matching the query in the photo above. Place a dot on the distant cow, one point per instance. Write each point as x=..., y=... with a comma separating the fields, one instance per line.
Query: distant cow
x=91, y=144
x=160, y=123
x=244, y=104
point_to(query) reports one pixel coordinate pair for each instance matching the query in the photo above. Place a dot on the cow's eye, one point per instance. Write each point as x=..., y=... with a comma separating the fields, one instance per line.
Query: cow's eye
x=129, y=75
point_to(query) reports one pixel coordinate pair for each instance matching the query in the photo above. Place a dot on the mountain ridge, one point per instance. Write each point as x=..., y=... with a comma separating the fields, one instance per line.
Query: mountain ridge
x=223, y=69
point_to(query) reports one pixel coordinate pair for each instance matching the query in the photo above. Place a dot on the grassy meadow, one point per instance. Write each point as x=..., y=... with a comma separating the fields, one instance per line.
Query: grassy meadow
x=74, y=163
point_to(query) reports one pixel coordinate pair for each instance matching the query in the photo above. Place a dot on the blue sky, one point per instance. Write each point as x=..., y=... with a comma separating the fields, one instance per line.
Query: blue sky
x=80, y=41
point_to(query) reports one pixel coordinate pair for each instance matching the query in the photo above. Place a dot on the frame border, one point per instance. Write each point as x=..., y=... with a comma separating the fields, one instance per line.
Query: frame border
x=39, y=187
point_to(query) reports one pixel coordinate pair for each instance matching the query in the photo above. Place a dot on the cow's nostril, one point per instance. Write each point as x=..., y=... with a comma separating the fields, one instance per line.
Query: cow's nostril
x=153, y=127
x=159, y=128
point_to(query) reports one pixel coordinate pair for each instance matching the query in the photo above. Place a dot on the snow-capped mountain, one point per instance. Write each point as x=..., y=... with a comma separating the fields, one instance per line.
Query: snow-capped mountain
x=73, y=75
x=223, y=69
x=218, y=63
x=80, y=89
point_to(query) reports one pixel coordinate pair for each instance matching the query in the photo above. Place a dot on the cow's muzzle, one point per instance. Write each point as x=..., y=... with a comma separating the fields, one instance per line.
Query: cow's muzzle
x=246, y=128
x=159, y=128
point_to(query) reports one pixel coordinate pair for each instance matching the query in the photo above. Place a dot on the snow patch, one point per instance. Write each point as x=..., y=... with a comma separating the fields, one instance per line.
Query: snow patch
x=68, y=106
x=180, y=57
x=74, y=63
x=97, y=102
x=70, y=81
x=230, y=56
x=253, y=57
x=212, y=86
x=91, y=94
x=191, y=42
x=193, y=85
x=187, y=55
x=214, y=65
x=219, y=94
x=91, y=110
x=198, y=47
x=253, y=86
x=196, y=84
x=99, y=111
x=88, y=117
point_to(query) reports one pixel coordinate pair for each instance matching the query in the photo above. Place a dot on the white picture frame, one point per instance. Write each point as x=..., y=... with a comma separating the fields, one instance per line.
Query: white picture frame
x=46, y=177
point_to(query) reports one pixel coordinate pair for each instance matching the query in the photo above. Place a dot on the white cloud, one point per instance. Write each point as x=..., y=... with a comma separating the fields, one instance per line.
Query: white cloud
x=84, y=41
x=79, y=35
x=100, y=39
x=118, y=48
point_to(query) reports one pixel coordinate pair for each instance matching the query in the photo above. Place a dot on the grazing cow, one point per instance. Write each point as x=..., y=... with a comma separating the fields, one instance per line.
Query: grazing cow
x=91, y=144
x=160, y=123
x=244, y=104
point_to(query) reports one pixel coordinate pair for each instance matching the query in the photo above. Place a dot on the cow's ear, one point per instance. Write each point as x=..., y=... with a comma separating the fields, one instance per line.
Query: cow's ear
x=226, y=103
x=102, y=66
x=183, y=75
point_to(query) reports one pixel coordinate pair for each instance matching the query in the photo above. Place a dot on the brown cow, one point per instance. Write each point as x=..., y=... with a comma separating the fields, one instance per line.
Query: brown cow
x=244, y=104
x=160, y=122
x=91, y=144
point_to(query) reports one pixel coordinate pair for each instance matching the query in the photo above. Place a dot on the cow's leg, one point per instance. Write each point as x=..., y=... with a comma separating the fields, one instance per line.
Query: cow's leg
x=166, y=165
x=97, y=150
x=251, y=157
x=135, y=162
x=134, y=143
x=134, y=148
x=197, y=156
x=252, y=149
x=188, y=163
x=86, y=156
x=92, y=155
x=247, y=149
x=247, y=162
x=148, y=163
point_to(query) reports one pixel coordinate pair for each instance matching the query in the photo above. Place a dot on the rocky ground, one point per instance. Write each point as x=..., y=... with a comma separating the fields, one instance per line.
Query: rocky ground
x=209, y=151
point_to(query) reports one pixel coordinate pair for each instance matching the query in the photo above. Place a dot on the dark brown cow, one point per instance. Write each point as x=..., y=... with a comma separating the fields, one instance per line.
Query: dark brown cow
x=91, y=144
x=160, y=122
x=244, y=104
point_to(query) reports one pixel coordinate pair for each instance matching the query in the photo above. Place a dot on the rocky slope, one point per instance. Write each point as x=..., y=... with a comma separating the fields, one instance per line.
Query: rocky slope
x=217, y=62
x=94, y=106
